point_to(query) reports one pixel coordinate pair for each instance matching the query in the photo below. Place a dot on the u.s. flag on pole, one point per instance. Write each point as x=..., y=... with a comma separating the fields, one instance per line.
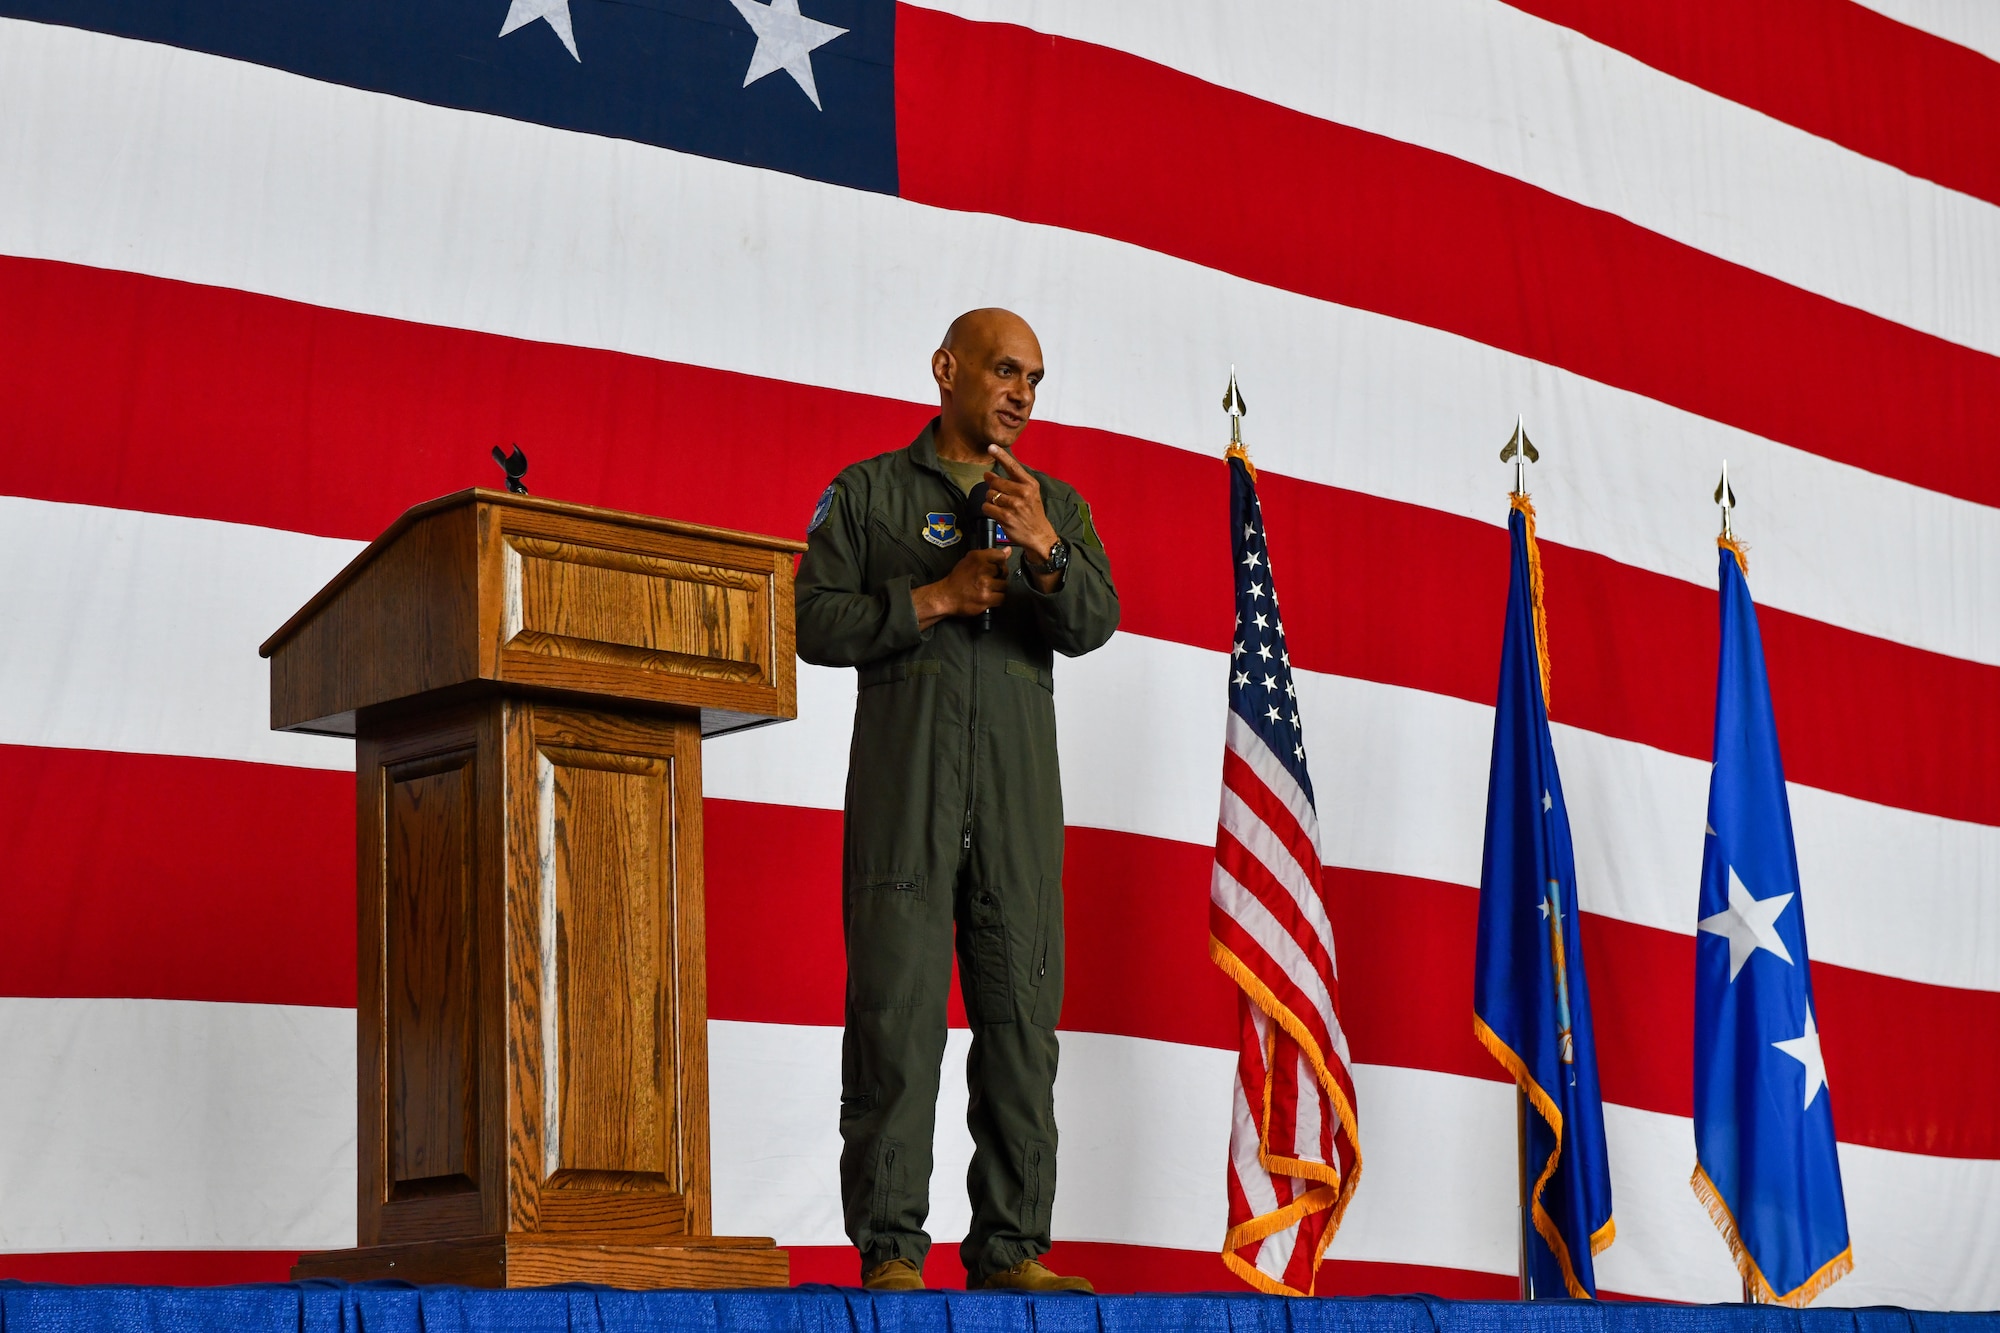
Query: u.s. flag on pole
x=1293, y=1155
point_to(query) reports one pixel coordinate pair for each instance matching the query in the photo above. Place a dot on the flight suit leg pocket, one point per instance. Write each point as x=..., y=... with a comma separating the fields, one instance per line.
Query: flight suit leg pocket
x=886, y=925
x=985, y=957
x=1045, y=971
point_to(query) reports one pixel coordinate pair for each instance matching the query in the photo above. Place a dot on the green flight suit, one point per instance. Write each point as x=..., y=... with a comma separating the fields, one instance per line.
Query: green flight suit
x=954, y=819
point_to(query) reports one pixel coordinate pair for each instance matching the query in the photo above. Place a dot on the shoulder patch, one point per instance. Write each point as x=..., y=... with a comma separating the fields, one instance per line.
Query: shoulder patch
x=823, y=508
x=1090, y=537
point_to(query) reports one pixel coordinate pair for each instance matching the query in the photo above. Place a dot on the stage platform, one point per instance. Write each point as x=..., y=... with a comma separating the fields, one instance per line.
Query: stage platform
x=332, y=1307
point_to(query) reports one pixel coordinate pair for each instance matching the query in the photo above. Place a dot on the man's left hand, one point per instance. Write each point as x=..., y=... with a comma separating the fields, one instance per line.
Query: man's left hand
x=1015, y=500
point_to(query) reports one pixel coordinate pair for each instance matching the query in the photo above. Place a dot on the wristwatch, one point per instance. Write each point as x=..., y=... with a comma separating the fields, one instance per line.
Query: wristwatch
x=1058, y=560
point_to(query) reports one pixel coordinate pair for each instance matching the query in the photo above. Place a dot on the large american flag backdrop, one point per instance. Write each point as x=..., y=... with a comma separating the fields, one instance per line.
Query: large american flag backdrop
x=274, y=272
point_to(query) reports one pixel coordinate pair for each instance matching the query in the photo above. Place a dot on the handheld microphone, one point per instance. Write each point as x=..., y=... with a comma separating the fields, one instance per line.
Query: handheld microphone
x=990, y=535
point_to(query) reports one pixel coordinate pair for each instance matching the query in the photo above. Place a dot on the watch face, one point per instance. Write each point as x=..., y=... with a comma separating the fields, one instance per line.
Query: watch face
x=1059, y=554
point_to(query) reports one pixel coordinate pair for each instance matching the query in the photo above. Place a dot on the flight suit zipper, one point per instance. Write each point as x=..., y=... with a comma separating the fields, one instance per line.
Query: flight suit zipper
x=971, y=740
x=972, y=702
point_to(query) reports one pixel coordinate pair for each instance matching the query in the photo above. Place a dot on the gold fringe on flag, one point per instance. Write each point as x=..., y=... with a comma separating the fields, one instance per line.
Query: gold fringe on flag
x=1333, y=1191
x=1527, y=508
x=1241, y=455
x=1740, y=550
x=1545, y=1106
x=1798, y=1297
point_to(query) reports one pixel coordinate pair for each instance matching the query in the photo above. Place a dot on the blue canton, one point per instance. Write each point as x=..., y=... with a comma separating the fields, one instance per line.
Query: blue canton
x=664, y=72
x=1260, y=667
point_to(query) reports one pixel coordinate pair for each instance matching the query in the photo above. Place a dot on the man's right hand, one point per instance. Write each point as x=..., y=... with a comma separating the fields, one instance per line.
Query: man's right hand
x=977, y=583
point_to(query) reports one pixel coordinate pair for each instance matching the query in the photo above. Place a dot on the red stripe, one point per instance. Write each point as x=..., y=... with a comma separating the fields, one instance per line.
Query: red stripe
x=147, y=394
x=176, y=879
x=1830, y=67
x=1136, y=918
x=151, y=1268
x=1374, y=223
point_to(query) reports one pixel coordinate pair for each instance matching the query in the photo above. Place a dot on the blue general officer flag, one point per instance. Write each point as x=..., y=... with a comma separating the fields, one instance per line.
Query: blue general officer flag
x=1530, y=1005
x=1763, y=1118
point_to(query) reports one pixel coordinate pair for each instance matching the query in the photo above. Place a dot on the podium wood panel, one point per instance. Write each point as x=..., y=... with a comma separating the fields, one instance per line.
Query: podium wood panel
x=528, y=684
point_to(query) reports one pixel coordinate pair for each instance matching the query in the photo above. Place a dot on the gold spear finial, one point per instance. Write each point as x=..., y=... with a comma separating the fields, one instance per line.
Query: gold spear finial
x=1522, y=451
x=1232, y=403
x=1725, y=496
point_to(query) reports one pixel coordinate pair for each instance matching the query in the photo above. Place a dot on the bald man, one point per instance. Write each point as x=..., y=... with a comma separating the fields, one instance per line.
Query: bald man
x=954, y=803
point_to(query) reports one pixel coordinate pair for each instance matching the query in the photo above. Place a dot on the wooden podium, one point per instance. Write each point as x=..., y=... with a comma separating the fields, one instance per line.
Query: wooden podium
x=528, y=684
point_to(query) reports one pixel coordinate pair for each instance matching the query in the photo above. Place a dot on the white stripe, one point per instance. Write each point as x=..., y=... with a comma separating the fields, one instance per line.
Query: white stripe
x=1242, y=738
x=134, y=631
x=1401, y=781
x=1312, y=1099
x=1408, y=796
x=1974, y=24
x=1263, y=845
x=128, y=1124
x=1144, y=1126
x=1242, y=907
x=139, y=156
x=1519, y=95
x=171, y=1125
x=1276, y=1252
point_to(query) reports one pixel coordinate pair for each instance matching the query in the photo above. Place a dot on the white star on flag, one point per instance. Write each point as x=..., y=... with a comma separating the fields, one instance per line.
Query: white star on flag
x=786, y=40
x=521, y=13
x=1749, y=924
x=1805, y=1050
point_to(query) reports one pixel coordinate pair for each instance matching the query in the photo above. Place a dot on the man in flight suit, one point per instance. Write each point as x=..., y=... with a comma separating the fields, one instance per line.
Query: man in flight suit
x=954, y=804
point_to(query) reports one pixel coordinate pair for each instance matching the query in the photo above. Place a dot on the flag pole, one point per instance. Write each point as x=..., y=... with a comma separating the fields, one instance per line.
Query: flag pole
x=1521, y=451
x=1725, y=500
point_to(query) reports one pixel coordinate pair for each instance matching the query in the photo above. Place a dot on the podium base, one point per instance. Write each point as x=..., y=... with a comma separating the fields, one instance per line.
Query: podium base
x=528, y=1260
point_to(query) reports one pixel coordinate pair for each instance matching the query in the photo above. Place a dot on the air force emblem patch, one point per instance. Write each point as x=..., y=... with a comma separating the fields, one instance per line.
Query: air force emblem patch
x=942, y=529
x=823, y=508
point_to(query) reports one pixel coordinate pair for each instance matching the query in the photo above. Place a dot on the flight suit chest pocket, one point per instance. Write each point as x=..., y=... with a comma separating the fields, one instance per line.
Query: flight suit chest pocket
x=893, y=553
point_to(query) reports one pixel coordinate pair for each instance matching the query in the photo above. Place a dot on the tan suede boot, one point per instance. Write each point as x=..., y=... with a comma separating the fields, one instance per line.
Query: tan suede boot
x=1033, y=1275
x=894, y=1275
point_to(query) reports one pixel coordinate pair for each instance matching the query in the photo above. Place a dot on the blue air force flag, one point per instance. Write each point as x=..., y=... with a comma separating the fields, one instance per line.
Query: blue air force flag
x=1763, y=1116
x=1530, y=1006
